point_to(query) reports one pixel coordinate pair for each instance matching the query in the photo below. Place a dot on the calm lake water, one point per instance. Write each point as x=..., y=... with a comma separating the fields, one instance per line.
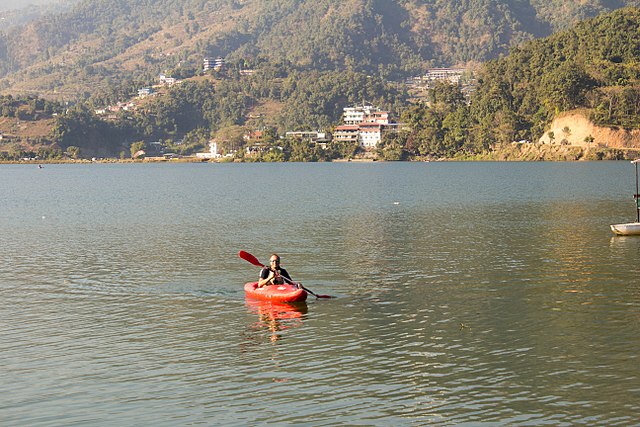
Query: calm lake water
x=477, y=294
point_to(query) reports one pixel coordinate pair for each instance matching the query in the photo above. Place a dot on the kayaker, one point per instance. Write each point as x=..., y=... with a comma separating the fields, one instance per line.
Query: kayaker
x=274, y=274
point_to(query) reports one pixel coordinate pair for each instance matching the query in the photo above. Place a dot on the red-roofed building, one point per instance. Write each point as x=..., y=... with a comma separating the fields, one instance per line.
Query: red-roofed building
x=347, y=133
x=365, y=125
x=254, y=136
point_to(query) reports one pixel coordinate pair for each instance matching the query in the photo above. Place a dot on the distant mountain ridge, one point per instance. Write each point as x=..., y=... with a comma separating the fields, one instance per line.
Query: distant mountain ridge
x=23, y=4
x=100, y=43
x=14, y=13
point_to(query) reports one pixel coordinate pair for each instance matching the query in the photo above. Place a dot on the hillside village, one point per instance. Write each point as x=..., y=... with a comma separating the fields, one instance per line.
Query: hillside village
x=249, y=77
x=365, y=125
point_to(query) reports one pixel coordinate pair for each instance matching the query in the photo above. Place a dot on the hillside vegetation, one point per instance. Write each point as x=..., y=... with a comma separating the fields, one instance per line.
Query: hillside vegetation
x=593, y=67
x=102, y=44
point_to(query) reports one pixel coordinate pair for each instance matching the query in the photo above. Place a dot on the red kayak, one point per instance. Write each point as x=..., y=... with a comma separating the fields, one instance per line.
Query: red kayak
x=275, y=293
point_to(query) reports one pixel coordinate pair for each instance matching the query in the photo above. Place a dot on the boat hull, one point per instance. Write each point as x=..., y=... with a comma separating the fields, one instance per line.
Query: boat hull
x=629, y=229
x=276, y=293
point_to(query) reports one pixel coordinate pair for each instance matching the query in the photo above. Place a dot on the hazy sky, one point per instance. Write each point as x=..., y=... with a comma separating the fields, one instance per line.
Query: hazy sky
x=17, y=4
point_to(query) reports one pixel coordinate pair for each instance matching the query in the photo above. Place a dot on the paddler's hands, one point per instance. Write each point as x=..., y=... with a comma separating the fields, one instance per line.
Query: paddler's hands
x=270, y=279
x=276, y=278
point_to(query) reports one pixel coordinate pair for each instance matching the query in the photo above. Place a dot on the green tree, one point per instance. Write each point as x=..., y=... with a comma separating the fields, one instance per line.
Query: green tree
x=566, y=87
x=73, y=152
x=273, y=155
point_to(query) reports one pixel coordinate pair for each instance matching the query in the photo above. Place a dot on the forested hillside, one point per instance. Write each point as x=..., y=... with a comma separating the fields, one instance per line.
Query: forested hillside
x=102, y=44
x=594, y=67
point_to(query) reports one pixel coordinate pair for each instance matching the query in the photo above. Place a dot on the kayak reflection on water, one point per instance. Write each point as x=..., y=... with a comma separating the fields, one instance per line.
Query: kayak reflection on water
x=276, y=317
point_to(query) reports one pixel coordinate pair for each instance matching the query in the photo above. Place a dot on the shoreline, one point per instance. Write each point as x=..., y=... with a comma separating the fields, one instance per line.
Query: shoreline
x=514, y=152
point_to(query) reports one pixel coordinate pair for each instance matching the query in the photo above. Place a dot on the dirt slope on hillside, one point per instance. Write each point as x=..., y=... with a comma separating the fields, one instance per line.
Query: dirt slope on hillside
x=577, y=130
x=26, y=129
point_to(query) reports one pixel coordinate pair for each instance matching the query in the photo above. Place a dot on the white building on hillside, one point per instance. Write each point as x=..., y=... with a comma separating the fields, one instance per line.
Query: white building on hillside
x=212, y=154
x=311, y=136
x=213, y=63
x=144, y=92
x=363, y=124
x=167, y=81
x=370, y=134
x=452, y=75
x=356, y=115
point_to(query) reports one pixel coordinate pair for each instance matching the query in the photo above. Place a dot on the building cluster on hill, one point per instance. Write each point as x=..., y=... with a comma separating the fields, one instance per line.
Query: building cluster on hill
x=419, y=86
x=365, y=125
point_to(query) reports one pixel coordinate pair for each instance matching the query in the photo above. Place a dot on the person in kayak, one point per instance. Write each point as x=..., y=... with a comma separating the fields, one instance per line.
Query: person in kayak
x=274, y=274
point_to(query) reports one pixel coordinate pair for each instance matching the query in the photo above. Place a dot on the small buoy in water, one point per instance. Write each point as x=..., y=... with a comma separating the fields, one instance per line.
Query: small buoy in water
x=44, y=217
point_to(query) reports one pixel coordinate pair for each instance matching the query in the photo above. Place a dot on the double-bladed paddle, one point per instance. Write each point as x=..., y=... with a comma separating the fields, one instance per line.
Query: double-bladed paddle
x=253, y=260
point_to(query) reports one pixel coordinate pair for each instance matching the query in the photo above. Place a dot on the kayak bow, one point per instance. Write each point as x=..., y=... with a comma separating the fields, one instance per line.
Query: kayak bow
x=276, y=293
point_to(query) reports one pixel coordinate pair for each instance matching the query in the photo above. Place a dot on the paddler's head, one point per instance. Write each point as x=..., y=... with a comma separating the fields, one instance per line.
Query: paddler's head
x=274, y=262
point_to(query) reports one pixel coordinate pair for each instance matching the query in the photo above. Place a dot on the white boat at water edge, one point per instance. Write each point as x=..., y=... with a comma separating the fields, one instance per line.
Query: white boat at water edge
x=630, y=228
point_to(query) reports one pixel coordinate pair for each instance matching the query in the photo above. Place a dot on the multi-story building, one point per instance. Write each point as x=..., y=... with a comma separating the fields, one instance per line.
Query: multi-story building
x=362, y=124
x=380, y=117
x=356, y=115
x=347, y=133
x=451, y=75
x=212, y=154
x=213, y=63
x=311, y=136
x=370, y=134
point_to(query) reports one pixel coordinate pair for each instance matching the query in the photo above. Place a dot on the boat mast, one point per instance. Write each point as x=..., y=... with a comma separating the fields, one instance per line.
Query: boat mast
x=636, y=196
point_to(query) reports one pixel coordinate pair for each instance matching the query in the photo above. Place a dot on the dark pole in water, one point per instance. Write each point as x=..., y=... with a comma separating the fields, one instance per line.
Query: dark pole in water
x=637, y=195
